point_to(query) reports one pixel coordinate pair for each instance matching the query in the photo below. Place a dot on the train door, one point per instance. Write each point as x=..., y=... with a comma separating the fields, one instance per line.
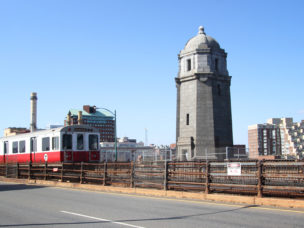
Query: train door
x=5, y=150
x=33, y=149
x=67, y=147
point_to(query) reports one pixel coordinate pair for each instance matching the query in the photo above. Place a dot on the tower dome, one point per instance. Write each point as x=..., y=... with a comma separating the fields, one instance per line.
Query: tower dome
x=200, y=41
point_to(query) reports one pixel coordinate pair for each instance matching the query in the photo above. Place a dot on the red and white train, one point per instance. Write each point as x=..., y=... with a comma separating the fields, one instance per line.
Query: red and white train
x=76, y=143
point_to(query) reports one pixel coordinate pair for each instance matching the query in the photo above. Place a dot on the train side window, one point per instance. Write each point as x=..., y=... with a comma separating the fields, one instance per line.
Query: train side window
x=67, y=142
x=33, y=144
x=55, y=143
x=22, y=146
x=79, y=141
x=93, y=142
x=15, y=147
x=5, y=147
x=46, y=144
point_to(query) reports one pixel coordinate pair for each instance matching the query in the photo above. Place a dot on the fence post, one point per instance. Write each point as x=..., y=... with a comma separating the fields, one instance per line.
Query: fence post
x=29, y=170
x=61, y=175
x=6, y=170
x=207, y=186
x=105, y=164
x=260, y=179
x=17, y=171
x=132, y=174
x=45, y=170
x=81, y=172
x=166, y=176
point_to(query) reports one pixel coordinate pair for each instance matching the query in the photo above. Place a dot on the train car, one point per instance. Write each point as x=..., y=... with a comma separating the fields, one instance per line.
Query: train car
x=76, y=143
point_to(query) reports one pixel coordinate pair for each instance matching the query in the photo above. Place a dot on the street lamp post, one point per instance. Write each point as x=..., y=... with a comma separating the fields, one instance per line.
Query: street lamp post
x=115, y=136
x=115, y=129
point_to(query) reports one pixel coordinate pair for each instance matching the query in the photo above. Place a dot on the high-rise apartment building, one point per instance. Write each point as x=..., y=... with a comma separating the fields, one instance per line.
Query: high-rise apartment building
x=279, y=137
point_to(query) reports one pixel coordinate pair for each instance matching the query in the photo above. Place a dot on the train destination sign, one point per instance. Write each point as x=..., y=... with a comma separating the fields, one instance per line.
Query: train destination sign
x=78, y=129
x=234, y=169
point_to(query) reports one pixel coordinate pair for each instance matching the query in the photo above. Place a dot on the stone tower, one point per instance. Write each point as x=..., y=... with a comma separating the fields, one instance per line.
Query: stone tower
x=204, y=123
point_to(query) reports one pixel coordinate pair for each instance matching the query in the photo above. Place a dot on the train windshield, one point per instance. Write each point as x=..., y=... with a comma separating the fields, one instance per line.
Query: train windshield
x=79, y=141
x=93, y=142
x=67, y=142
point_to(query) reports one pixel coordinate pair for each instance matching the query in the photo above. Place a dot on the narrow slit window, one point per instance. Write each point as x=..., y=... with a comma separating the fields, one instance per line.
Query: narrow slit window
x=219, y=92
x=216, y=65
x=187, y=119
x=188, y=64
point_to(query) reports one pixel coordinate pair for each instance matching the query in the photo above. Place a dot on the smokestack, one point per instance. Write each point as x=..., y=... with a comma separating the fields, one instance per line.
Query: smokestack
x=33, y=126
x=69, y=119
x=79, y=117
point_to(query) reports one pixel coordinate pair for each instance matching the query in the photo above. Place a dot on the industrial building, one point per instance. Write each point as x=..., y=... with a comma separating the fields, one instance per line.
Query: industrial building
x=131, y=150
x=101, y=119
x=278, y=138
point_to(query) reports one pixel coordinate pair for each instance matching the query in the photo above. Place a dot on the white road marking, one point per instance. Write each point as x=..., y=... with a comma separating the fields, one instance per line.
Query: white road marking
x=101, y=219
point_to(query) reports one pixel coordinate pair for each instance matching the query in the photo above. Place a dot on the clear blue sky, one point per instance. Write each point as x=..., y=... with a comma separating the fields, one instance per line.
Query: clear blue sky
x=123, y=55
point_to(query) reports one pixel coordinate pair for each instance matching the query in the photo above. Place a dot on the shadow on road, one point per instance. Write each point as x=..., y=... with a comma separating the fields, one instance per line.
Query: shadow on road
x=190, y=216
x=127, y=220
x=13, y=187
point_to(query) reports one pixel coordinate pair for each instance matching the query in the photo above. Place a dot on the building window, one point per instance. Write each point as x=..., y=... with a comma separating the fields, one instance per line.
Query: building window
x=188, y=64
x=216, y=65
x=187, y=119
x=46, y=144
x=15, y=147
x=22, y=146
x=55, y=143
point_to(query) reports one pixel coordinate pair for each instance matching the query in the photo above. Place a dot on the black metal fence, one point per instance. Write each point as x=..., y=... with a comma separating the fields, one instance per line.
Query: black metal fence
x=262, y=178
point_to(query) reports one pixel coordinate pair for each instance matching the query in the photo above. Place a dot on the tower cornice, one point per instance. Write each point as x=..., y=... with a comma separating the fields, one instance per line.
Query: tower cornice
x=203, y=77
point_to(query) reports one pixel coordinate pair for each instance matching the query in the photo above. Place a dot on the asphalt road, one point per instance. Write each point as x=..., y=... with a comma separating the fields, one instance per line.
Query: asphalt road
x=38, y=206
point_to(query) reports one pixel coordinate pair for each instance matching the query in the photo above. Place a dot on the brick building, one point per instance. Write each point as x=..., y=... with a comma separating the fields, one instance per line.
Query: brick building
x=15, y=131
x=264, y=140
x=100, y=119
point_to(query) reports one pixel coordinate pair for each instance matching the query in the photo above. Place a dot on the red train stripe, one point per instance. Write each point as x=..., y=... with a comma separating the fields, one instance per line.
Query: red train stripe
x=51, y=157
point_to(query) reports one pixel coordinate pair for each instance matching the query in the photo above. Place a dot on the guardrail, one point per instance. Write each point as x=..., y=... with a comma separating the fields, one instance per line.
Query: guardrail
x=250, y=177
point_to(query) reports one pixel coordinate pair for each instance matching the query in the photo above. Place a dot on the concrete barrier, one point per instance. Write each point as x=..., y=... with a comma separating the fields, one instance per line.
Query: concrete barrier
x=250, y=200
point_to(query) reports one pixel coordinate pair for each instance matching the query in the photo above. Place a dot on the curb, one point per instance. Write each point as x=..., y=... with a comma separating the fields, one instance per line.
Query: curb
x=250, y=200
